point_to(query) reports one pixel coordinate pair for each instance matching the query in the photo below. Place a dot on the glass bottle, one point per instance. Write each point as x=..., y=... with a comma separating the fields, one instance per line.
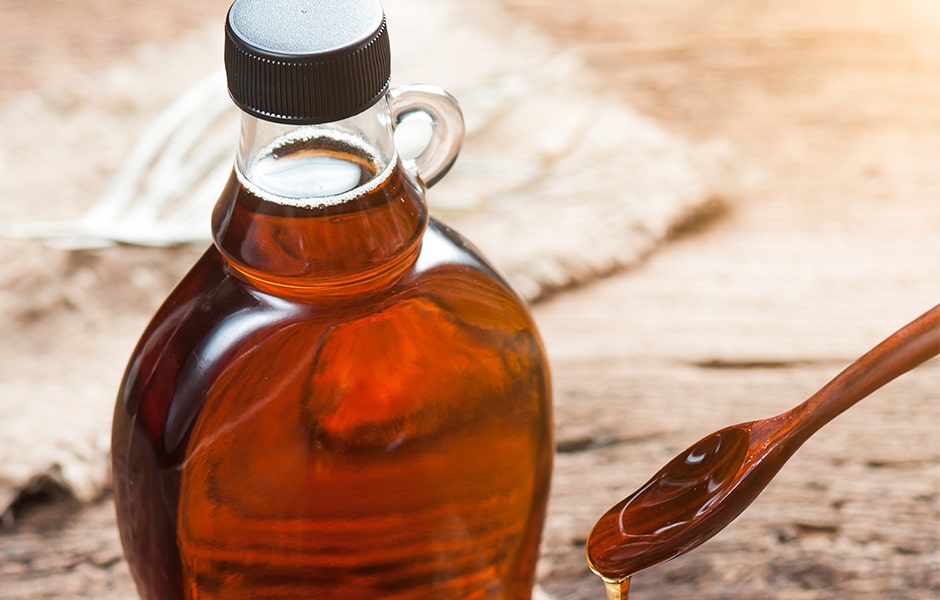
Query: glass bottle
x=341, y=399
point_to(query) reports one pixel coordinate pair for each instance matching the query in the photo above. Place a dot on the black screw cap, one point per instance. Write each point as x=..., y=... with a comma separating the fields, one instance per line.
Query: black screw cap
x=306, y=61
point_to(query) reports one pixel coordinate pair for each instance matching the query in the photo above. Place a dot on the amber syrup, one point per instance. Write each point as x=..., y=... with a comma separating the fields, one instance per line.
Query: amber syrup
x=340, y=400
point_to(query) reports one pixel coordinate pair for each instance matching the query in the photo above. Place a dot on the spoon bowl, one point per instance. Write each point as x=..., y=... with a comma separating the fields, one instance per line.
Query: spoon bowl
x=704, y=488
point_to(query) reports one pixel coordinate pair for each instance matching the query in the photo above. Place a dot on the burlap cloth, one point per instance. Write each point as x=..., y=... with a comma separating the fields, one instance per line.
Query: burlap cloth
x=558, y=183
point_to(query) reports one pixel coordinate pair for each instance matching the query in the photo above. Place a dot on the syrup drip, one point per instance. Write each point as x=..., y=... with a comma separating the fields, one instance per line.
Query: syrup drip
x=707, y=486
x=618, y=590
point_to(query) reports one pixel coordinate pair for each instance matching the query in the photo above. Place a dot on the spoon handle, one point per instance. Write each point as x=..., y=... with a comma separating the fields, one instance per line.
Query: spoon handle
x=913, y=344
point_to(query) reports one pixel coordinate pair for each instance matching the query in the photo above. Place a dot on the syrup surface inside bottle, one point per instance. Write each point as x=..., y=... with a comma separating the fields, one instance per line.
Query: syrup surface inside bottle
x=331, y=405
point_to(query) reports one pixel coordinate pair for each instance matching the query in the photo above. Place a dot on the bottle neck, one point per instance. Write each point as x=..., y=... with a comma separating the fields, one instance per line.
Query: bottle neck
x=320, y=209
x=315, y=165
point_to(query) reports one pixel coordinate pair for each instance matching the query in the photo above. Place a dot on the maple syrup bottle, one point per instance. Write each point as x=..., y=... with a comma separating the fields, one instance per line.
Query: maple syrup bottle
x=341, y=399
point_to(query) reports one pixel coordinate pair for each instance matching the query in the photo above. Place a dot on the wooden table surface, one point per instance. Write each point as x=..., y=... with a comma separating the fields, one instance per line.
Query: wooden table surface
x=830, y=244
x=834, y=113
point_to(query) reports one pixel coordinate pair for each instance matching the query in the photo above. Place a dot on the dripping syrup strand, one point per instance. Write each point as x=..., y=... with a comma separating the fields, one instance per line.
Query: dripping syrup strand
x=617, y=589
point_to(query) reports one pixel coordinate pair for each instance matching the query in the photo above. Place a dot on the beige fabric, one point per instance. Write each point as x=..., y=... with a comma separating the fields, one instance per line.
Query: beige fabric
x=558, y=183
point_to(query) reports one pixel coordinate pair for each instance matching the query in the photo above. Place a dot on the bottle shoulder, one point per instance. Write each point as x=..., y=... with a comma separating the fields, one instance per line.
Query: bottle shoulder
x=450, y=269
x=215, y=327
x=214, y=296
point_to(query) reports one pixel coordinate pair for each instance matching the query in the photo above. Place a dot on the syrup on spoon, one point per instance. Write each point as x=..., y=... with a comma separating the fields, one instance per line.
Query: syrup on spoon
x=703, y=489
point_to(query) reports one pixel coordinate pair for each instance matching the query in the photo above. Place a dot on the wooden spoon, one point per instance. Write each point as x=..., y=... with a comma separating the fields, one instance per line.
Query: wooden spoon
x=707, y=486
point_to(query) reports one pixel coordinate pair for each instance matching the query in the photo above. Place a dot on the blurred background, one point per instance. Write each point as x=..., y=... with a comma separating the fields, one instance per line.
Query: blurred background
x=812, y=236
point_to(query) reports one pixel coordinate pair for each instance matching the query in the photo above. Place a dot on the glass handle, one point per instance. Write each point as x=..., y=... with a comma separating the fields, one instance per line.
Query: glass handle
x=441, y=112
